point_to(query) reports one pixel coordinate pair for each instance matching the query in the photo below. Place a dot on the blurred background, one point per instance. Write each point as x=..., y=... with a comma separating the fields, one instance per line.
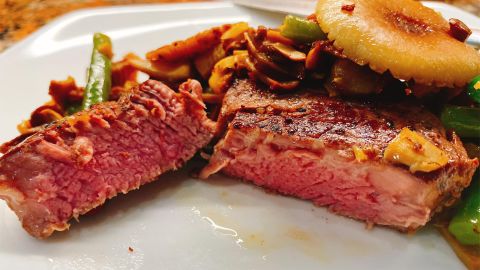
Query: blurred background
x=18, y=18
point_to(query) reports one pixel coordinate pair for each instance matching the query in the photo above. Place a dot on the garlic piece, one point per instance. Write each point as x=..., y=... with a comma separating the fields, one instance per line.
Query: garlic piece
x=222, y=73
x=359, y=154
x=414, y=150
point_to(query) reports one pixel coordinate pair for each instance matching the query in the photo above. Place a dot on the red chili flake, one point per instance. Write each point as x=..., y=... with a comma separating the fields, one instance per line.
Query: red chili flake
x=348, y=8
x=459, y=30
x=130, y=249
x=312, y=17
x=408, y=91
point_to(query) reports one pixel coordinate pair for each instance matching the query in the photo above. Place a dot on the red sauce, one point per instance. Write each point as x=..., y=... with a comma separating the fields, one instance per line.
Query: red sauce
x=348, y=8
x=459, y=30
x=312, y=17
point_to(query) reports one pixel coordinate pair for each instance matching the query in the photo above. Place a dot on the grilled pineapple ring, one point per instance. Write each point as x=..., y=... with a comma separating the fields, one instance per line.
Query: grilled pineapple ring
x=402, y=36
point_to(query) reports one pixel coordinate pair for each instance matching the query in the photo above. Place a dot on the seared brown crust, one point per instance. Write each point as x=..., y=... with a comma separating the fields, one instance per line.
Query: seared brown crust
x=339, y=124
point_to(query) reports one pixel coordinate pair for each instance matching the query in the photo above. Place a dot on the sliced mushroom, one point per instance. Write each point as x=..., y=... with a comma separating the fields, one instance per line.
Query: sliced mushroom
x=223, y=70
x=348, y=78
x=288, y=51
x=45, y=114
x=205, y=62
x=161, y=70
x=185, y=50
x=273, y=84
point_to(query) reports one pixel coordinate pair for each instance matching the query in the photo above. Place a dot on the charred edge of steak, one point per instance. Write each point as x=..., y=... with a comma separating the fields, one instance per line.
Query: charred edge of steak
x=74, y=165
x=307, y=132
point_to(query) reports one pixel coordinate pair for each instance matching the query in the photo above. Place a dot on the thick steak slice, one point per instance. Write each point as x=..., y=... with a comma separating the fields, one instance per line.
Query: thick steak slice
x=302, y=145
x=74, y=165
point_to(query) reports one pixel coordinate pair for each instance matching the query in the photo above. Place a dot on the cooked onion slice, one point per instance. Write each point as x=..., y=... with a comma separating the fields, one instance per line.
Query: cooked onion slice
x=403, y=36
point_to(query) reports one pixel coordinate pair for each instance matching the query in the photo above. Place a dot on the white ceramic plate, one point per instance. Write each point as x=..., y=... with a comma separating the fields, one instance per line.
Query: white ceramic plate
x=178, y=222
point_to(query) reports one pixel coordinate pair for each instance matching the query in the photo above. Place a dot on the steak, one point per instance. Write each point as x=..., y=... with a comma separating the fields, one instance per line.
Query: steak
x=74, y=165
x=302, y=145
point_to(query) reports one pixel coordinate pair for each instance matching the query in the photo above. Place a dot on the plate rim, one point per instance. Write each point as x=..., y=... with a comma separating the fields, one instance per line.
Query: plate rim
x=104, y=10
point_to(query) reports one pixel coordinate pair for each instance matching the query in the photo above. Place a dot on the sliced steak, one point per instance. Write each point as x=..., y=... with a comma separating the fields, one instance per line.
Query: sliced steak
x=302, y=145
x=74, y=165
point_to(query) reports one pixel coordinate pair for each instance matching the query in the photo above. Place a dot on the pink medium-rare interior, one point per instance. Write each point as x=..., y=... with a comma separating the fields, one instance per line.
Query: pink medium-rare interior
x=116, y=156
x=375, y=193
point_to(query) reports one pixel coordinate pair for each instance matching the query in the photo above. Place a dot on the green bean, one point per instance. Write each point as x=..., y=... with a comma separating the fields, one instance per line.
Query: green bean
x=465, y=225
x=99, y=80
x=73, y=108
x=465, y=121
x=301, y=30
x=473, y=89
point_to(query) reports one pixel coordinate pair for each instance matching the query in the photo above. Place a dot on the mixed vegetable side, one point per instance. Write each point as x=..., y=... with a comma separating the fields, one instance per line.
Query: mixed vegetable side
x=296, y=54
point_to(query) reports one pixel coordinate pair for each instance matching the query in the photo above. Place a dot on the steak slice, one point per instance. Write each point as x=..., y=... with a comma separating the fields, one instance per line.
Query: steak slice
x=302, y=145
x=74, y=165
